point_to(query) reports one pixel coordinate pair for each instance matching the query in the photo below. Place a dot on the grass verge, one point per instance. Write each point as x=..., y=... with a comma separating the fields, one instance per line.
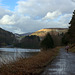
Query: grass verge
x=30, y=66
x=72, y=48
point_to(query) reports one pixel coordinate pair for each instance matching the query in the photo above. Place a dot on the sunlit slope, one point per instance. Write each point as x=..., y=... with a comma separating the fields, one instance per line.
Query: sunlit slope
x=53, y=31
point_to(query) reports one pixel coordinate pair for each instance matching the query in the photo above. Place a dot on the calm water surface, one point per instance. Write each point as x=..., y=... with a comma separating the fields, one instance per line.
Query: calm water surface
x=11, y=54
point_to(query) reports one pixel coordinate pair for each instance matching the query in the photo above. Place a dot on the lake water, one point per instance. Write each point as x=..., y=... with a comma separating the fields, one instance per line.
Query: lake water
x=11, y=54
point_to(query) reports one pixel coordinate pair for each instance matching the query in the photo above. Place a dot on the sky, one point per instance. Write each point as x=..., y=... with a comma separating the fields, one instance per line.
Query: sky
x=23, y=16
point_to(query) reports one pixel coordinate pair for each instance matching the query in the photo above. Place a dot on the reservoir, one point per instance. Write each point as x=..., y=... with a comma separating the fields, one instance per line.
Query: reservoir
x=11, y=54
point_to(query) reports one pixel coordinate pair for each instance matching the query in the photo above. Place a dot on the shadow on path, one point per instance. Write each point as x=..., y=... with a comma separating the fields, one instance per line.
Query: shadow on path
x=64, y=64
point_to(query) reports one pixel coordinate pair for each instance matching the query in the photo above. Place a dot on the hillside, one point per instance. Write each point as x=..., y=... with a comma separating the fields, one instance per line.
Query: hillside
x=53, y=31
x=56, y=33
x=6, y=37
x=19, y=37
x=22, y=35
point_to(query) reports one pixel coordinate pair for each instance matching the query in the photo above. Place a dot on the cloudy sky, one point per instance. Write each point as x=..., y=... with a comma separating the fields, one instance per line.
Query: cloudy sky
x=22, y=16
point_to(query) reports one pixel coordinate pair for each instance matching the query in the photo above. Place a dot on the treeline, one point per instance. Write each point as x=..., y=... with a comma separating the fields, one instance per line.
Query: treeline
x=6, y=38
x=34, y=42
x=69, y=37
x=29, y=42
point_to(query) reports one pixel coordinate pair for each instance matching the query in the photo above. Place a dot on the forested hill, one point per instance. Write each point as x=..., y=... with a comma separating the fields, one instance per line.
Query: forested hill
x=6, y=37
x=56, y=33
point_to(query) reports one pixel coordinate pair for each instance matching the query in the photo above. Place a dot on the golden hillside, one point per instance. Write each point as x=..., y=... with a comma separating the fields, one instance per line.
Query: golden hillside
x=53, y=31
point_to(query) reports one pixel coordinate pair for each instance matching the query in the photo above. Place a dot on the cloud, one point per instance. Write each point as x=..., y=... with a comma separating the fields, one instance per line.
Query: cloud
x=4, y=11
x=7, y=20
x=73, y=1
x=40, y=8
x=52, y=15
x=32, y=15
x=65, y=18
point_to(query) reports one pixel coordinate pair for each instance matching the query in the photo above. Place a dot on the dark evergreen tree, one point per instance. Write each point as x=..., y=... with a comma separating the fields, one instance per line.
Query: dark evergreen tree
x=69, y=37
x=65, y=39
x=71, y=31
x=47, y=42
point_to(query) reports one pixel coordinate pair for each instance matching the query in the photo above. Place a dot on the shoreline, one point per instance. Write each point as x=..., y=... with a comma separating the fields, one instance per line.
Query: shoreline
x=33, y=65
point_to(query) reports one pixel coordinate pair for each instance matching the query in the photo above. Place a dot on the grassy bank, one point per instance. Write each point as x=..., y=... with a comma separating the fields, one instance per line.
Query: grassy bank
x=72, y=48
x=30, y=66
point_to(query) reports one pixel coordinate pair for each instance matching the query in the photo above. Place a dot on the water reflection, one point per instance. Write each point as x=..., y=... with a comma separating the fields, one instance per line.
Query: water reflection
x=11, y=54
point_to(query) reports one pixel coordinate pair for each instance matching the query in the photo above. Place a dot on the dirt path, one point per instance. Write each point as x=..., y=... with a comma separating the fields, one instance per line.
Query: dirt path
x=64, y=64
